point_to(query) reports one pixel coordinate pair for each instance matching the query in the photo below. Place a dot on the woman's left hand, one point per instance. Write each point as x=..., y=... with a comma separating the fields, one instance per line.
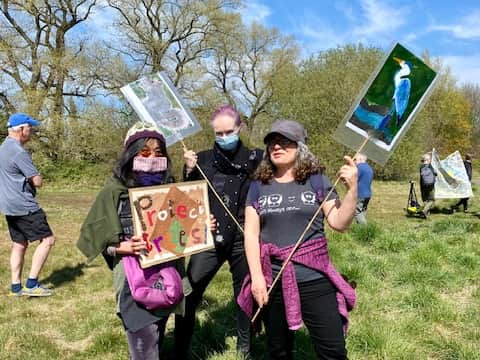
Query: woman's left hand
x=348, y=173
x=213, y=223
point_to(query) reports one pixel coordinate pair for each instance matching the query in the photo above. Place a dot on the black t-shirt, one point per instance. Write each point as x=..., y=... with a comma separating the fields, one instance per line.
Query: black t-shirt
x=285, y=210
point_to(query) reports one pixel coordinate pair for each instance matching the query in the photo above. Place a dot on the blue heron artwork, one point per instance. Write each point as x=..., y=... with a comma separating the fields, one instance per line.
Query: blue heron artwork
x=393, y=95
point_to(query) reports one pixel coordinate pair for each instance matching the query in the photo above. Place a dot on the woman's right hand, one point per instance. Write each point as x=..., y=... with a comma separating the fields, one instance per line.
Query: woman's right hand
x=139, y=246
x=259, y=290
x=190, y=158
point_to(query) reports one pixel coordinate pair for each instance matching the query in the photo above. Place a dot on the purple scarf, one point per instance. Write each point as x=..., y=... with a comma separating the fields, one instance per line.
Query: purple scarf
x=313, y=254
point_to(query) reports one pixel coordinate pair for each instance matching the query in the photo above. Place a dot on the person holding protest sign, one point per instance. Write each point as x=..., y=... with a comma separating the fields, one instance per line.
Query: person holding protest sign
x=27, y=222
x=108, y=230
x=468, y=168
x=427, y=184
x=290, y=186
x=228, y=166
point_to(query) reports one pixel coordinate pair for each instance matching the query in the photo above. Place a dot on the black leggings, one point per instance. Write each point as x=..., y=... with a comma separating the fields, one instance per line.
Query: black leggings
x=320, y=315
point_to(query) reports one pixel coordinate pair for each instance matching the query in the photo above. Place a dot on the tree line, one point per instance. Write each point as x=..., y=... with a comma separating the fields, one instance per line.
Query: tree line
x=55, y=69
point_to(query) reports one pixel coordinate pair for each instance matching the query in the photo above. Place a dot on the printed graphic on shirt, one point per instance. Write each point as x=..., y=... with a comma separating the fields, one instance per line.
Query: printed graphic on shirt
x=308, y=197
x=275, y=200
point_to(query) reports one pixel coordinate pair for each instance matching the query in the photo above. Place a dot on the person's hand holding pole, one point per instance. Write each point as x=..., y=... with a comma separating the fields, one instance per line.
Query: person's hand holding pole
x=190, y=157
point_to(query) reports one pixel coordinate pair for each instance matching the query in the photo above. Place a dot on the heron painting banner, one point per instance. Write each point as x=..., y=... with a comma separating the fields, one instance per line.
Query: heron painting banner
x=386, y=107
x=173, y=219
x=452, y=180
x=155, y=100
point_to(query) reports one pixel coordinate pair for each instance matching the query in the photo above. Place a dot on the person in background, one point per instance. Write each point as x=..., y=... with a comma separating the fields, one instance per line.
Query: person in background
x=229, y=166
x=27, y=222
x=365, y=177
x=468, y=167
x=427, y=184
x=289, y=188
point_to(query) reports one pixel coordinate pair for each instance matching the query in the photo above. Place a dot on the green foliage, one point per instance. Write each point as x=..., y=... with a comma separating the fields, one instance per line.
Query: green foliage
x=417, y=287
x=320, y=90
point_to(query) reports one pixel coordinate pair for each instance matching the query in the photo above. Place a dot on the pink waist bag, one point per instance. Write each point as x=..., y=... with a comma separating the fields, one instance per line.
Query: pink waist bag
x=156, y=287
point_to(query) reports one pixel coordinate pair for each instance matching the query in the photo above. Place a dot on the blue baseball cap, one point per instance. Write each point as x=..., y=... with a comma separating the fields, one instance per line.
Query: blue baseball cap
x=21, y=119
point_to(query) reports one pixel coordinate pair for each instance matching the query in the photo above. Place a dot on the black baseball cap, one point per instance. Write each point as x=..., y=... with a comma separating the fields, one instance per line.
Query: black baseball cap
x=292, y=130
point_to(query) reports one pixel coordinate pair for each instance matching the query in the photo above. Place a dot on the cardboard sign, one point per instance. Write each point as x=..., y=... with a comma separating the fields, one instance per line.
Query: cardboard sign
x=174, y=219
x=387, y=105
x=155, y=100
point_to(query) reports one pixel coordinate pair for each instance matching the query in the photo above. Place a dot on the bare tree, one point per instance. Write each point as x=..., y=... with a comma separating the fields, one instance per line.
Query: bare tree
x=168, y=35
x=245, y=65
x=39, y=58
x=36, y=55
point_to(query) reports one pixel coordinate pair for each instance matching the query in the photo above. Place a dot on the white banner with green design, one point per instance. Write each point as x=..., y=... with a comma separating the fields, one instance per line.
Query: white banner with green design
x=156, y=100
x=452, y=180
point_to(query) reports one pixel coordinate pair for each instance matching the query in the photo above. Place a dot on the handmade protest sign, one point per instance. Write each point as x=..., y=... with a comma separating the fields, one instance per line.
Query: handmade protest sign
x=452, y=180
x=155, y=100
x=173, y=219
x=387, y=105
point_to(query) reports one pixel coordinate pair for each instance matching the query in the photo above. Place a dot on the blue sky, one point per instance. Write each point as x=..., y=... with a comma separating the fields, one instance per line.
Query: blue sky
x=450, y=30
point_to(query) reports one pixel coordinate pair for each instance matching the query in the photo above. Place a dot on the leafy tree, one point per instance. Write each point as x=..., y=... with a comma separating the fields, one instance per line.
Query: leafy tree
x=38, y=57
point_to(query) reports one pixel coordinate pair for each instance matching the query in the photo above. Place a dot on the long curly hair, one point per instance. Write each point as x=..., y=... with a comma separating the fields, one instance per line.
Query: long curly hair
x=306, y=164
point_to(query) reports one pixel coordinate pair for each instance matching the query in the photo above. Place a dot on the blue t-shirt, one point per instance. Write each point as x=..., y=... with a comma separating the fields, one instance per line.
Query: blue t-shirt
x=17, y=195
x=285, y=209
x=365, y=177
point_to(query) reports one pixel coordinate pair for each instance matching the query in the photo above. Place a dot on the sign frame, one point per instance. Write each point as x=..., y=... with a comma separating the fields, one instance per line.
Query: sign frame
x=177, y=216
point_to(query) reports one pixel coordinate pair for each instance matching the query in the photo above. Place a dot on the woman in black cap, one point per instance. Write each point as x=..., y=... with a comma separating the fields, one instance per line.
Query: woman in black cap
x=290, y=187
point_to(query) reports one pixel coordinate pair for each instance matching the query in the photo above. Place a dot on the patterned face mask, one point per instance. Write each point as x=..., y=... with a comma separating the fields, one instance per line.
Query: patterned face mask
x=150, y=165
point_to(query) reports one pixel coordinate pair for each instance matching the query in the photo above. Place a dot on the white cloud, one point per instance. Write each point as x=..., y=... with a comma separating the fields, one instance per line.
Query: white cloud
x=375, y=23
x=320, y=36
x=254, y=11
x=346, y=9
x=464, y=68
x=467, y=28
x=379, y=19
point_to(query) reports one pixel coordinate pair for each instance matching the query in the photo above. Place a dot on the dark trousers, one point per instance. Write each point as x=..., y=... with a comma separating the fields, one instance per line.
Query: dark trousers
x=320, y=315
x=145, y=344
x=201, y=270
x=463, y=202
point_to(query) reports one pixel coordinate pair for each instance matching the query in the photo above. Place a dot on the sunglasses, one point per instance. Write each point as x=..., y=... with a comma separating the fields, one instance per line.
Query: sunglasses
x=148, y=153
x=283, y=142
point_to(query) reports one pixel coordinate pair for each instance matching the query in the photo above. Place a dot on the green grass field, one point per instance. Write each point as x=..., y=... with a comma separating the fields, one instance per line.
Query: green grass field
x=417, y=282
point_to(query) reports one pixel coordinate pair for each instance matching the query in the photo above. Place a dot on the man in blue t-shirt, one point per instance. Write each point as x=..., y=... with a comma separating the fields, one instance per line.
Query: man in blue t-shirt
x=365, y=177
x=26, y=221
